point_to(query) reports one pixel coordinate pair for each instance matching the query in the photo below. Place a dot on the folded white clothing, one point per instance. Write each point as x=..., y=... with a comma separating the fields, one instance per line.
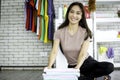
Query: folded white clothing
x=60, y=74
x=59, y=77
x=61, y=70
x=63, y=73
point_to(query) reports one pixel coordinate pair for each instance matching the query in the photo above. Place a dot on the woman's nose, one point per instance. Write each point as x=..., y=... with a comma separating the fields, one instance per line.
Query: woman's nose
x=74, y=14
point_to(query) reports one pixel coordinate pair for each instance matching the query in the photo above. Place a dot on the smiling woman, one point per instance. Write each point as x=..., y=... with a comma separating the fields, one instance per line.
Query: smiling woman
x=74, y=36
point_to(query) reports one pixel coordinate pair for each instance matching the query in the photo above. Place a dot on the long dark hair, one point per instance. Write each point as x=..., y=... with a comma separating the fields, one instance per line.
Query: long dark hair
x=82, y=22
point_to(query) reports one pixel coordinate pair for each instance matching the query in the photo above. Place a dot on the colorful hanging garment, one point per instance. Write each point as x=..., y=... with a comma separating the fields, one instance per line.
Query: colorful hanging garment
x=31, y=3
x=51, y=14
x=27, y=25
x=43, y=20
x=102, y=49
x=40, y=18
x=36, y=5
x=34, y=22
x=29, y=14
x=34, y=16
x=46, y=22
x=35, y=1
x=110, y=52
x=64, y=10
x=37, y=25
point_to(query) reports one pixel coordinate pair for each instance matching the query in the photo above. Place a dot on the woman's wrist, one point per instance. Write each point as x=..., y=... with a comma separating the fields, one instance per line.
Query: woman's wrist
x=49, y=67
x=77, y=67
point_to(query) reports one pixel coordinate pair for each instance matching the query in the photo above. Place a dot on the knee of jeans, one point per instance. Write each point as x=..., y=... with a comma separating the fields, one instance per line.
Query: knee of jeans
x=110, y=68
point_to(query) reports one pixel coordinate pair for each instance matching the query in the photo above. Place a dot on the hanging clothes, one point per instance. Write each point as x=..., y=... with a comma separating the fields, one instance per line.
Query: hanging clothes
x=29, y=14
x=43, y=21
x=35, y=1
x=46, y=22
x=36, y=5
x=110, y=52
x=40, y=18
x=31, y=3
x=34, y=16
x=102, y=50
x=34, y=22
x=27, y=24
x=51, y=14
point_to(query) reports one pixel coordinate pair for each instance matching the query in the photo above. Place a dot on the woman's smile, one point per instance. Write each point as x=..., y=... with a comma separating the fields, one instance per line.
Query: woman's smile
x=75, y=15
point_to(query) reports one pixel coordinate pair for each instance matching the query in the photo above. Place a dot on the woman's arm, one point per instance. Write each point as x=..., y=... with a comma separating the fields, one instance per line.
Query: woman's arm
x=53, y=53
x=83, y=53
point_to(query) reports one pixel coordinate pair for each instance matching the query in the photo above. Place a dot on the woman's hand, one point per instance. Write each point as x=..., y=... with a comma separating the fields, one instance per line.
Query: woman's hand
x=49, y=67
x=76, y=67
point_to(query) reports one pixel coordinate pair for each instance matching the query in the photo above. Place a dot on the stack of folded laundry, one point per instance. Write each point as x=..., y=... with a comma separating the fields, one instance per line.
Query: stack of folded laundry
x=61, y=74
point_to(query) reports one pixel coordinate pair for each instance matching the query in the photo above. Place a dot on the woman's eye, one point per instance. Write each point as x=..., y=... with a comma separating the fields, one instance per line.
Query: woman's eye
x=78, y=13
x=71, y=11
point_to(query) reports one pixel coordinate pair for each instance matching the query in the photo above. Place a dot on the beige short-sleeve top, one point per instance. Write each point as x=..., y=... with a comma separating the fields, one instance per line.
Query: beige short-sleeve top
x=71, y=44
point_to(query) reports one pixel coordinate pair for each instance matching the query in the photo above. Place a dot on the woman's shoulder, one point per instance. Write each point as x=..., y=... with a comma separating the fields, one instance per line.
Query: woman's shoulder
x=82, y=29
x=59, y=33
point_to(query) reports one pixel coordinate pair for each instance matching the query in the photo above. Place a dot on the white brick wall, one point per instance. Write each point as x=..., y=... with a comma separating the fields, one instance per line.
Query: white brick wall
x=19, y=47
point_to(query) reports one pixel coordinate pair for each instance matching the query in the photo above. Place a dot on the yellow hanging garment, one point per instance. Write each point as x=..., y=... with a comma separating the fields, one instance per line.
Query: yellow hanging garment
x=46, y=22
x=102, y=50
x=64, y=11
x=118, y=36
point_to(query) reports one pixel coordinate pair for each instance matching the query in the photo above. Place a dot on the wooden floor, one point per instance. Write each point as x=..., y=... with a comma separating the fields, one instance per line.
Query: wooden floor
x=36, y=75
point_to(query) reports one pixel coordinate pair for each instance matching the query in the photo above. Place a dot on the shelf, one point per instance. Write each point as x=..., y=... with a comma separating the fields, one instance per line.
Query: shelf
x=107, y=40
x=116, y=65
x=106, y=36
x=107, y=19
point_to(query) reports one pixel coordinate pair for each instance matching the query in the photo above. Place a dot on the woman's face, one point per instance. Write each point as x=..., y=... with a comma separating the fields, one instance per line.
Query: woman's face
x=75, y=15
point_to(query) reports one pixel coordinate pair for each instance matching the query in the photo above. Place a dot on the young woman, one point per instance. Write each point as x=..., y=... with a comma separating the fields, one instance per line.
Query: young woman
x=74, y=36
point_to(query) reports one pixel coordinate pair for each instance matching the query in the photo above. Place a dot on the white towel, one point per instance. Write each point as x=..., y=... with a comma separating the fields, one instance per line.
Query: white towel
x=61, y=70
x=61, y=74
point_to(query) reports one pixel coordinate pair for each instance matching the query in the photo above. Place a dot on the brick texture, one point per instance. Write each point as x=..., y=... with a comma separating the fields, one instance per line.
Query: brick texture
x=19, y=47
